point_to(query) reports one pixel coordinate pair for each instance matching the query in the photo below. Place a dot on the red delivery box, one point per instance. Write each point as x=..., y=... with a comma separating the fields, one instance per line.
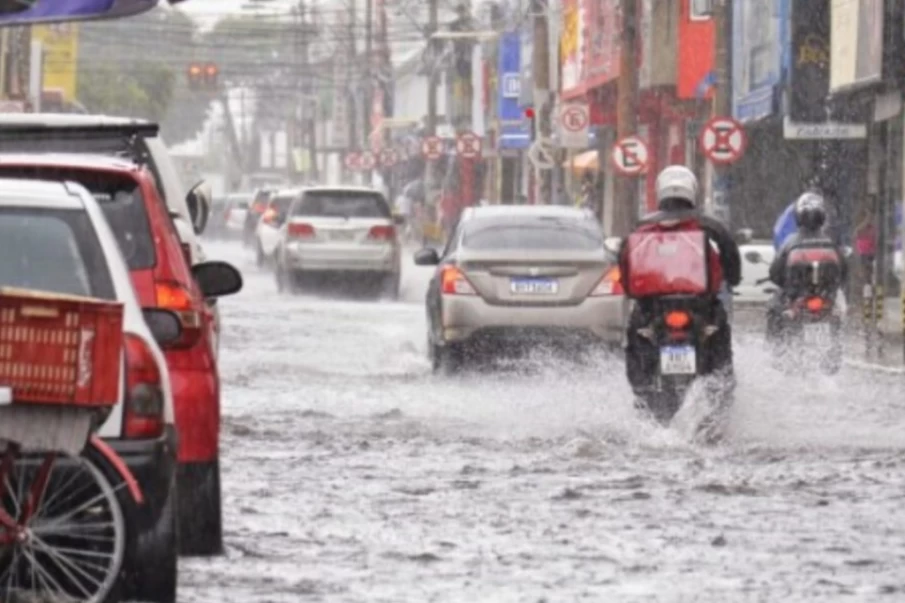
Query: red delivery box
x=667, y=263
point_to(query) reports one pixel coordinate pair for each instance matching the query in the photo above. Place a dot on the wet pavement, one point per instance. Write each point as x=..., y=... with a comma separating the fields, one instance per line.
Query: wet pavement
x=353, y=474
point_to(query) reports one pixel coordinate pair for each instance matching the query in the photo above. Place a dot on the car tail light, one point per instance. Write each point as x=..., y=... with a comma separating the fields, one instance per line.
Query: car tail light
x=814, y=304
x=269, y=216
x=144, y=407
x=258, y=207
x=382, y=233
x=178, y=299
x=610, y=284
x=454, y=282
x=677, y=320
x=301, y=231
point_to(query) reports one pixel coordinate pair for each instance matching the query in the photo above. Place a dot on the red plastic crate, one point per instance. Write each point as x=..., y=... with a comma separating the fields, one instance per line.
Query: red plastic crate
x=58, y=349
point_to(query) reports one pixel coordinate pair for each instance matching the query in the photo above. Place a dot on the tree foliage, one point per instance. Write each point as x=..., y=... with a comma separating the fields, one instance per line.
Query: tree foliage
x=144, y=93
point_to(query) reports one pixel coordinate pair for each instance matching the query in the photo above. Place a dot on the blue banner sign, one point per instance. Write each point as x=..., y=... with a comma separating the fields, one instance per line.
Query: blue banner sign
x=514, y=128
x=50, y=11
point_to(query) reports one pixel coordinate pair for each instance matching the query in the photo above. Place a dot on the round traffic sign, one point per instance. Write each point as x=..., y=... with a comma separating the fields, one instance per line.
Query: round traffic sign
x=468, y=145
x=574, y=118
x=368, y=161
x=432, y=147
x=352, y=161
x=629, y=156
x=723, y=140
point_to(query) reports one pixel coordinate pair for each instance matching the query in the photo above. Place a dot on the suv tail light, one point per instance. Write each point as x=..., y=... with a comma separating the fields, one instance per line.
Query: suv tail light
x=609, y=284
x=301, y=231
x=144, y=407
x=453, y=282
x=178, y=299
x=382, y=233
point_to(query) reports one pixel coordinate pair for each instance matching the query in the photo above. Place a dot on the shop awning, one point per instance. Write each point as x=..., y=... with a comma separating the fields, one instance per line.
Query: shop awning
x=51, y=11
x=583, y=162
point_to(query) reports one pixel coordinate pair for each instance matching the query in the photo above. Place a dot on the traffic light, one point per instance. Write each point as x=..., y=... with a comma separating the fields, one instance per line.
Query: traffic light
x=203, y=76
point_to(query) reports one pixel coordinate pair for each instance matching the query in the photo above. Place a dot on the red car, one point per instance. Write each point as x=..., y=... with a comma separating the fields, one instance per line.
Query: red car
x=162, y=278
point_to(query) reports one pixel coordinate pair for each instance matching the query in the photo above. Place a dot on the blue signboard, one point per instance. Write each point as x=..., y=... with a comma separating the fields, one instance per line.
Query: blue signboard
x=514, y=128
x=48, y=11
x=760, y=32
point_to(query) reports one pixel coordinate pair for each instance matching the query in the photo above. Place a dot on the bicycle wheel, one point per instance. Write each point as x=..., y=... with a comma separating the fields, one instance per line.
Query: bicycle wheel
x=62, y=530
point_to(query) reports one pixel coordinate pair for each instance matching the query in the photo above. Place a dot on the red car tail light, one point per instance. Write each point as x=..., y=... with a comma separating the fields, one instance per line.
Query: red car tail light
x=301, y=231
x=382, y=233
x=453, y=282
x=144, y=407
x=610, y=284
x=677, y=320
x=178, y=299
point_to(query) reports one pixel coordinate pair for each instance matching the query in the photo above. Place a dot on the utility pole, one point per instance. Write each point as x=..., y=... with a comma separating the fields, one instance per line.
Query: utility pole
x=722, y=107
x=351, y=60
x=309, y=102
x=430, y=124
x=368, y=81
x=542, y=110
x=625, y=208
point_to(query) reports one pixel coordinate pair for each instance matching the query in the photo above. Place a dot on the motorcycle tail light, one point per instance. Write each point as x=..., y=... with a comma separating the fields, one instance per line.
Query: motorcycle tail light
x=677, y=319
x=814, y=304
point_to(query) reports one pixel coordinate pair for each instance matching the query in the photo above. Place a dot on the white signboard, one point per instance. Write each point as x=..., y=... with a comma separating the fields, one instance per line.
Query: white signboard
x=574, y=120
x=512, y=85
x=823, y=131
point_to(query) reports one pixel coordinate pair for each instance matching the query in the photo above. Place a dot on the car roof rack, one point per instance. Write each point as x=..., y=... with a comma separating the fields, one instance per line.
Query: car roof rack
x=124, y=140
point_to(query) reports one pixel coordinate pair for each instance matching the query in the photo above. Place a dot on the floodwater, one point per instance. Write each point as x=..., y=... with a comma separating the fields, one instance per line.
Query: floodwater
x=351, y=473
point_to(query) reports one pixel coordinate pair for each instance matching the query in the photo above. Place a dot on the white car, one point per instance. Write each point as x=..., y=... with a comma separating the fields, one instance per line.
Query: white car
x=339, y=231
x=750, y=292
x=56, y=239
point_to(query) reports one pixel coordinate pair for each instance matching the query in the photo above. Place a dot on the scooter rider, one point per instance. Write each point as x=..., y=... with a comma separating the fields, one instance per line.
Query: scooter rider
x=677, y=192
x=810, y=217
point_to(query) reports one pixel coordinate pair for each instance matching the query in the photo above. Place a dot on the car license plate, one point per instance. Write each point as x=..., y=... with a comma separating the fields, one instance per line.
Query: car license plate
x=534, y=286
x=342, y=235
x=817, y=333
x=678, y=360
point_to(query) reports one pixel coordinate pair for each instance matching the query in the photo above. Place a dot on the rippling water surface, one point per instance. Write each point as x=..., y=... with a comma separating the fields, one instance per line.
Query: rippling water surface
x=353, y=474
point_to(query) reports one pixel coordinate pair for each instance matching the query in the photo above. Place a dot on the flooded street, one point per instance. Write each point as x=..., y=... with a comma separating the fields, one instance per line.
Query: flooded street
x=351, y=473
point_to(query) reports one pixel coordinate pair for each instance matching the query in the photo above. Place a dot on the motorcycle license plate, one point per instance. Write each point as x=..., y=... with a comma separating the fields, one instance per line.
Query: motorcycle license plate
x=678, y=360
x=816, y=334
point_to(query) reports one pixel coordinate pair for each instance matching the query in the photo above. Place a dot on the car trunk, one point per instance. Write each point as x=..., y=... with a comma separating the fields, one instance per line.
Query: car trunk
x=524, y=277
x=339, y=231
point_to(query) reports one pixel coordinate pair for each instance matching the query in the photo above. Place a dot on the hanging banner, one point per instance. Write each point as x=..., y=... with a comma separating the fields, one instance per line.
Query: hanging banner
x=49, y=11
x=603, y=22
x=570, y=49
x=809, y=60
x=857, y=43
x=515, y=131
x=61, y=50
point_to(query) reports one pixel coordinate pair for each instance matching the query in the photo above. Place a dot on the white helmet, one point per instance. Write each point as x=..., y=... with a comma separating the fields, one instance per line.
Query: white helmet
x=676, y=184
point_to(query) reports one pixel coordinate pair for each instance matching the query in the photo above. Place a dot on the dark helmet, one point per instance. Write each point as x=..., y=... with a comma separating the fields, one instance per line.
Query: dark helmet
x=677, y=188
x=810, y=211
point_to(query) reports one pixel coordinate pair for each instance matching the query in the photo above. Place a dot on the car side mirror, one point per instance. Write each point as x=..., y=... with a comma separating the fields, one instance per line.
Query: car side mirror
x=216, y=279
x=754, y=257
x=165, y=326
x=612, y=244
x=198, y=201
x=427, y=257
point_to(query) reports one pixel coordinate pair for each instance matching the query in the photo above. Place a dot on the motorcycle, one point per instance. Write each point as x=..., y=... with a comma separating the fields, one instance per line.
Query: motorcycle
x=810, y=326
x=680, y=330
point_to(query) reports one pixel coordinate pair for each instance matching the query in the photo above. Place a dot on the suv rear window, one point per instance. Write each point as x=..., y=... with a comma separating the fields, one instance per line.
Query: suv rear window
x=342, y=204
x=119, y=197
x=549, y=234
x=53, y=250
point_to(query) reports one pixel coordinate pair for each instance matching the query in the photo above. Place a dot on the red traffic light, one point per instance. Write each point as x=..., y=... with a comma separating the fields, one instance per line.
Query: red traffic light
x=194, y=70
x=211, y=70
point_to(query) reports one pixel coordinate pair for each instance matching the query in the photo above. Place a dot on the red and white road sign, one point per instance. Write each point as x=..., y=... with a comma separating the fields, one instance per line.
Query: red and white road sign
x=723, y=140
x=389, y=157
x=432, y=147
x=352, y=161
x=629, y=156
x=368, y=161
x=575, y=117
x=468, y=145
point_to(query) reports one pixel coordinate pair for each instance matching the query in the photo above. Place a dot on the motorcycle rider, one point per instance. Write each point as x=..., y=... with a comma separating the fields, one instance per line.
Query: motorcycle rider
x=810, y=217
x=677, y=192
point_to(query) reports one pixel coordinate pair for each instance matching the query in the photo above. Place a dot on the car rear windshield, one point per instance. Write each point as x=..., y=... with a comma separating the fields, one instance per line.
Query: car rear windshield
x=119, y=197
x=549, y=234
x=342, y=204
x=53, y=250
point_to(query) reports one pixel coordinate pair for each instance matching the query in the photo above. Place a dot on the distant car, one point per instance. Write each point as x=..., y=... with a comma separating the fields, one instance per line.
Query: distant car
x=163, y=278
x=748, y=292
x=60, y=242
x=339, y=231
x=228, y=217
x=512, y=275
x=267, y=235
